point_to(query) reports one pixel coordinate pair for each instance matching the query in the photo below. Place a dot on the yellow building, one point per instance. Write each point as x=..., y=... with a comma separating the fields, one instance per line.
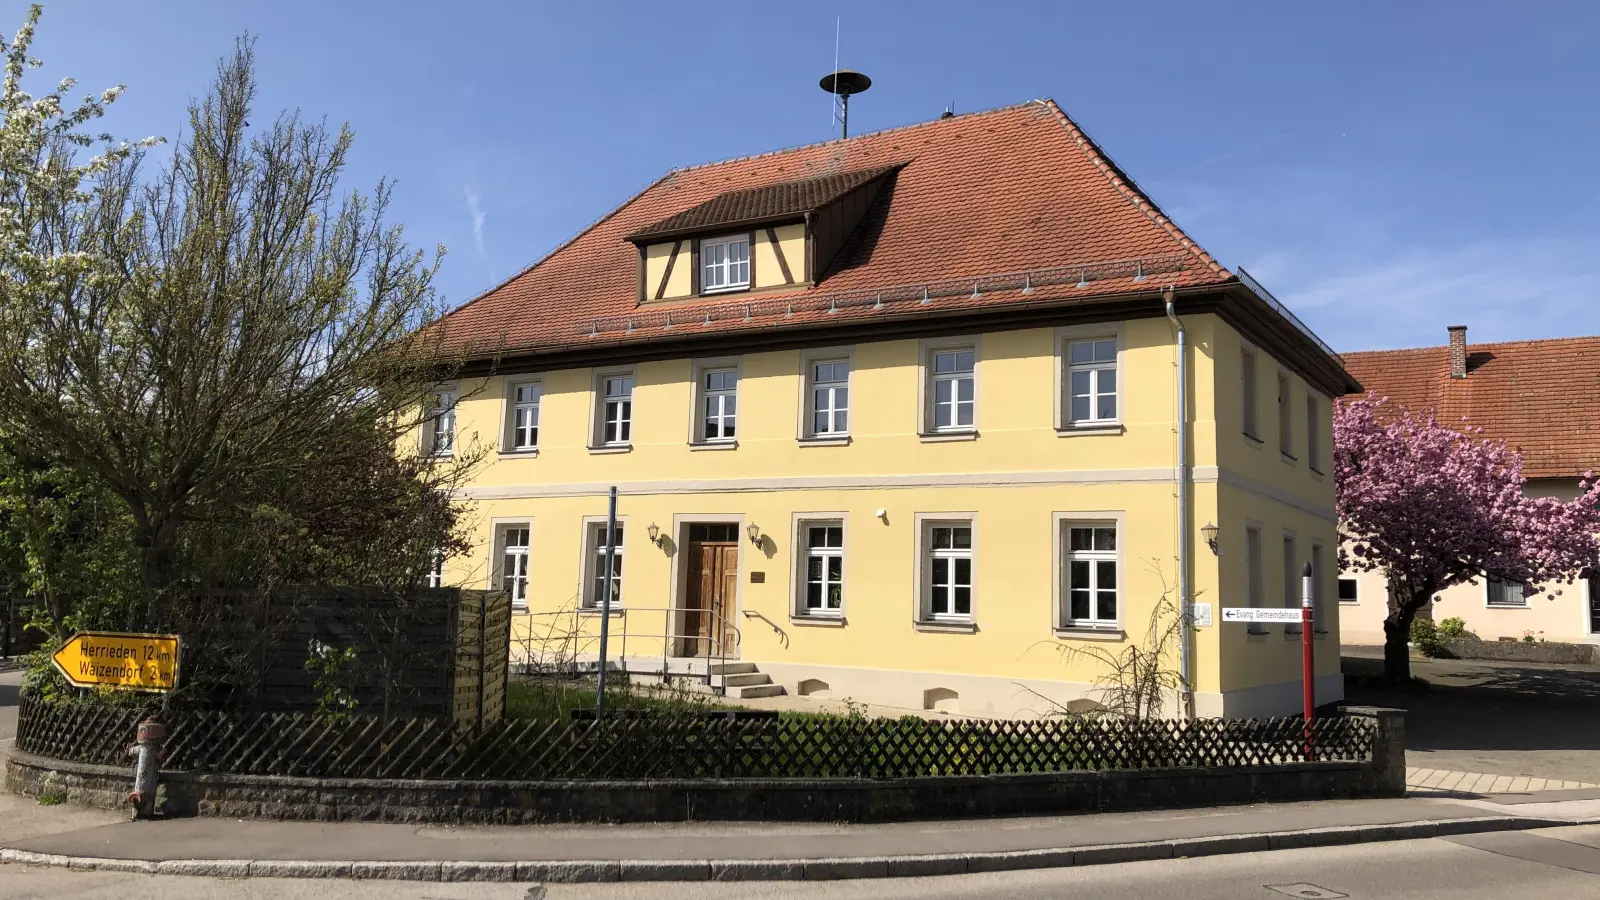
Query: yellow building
x=896, y=418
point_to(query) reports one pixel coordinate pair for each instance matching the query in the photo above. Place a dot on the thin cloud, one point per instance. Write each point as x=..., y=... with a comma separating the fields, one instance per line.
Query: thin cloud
x=475, y=207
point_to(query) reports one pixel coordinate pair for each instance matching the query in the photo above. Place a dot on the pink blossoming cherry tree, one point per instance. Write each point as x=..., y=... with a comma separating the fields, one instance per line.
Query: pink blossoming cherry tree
x=1431, y=507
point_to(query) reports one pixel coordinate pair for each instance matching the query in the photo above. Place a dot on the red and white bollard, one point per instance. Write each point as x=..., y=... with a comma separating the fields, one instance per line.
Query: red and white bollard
x=147, y=754
x=1308, y=664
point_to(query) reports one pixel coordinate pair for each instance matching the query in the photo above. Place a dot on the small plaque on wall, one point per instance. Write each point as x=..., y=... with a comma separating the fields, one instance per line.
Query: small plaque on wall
x=758, y=578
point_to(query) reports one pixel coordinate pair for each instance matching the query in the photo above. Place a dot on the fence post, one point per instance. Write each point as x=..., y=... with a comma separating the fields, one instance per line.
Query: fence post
x=1387, y=770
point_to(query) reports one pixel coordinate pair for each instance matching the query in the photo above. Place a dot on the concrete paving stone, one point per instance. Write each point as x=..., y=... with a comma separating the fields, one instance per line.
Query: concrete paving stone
x=666, y=870
x=1499, y=785
x=757, y=870
x=284, y=868
x=1215, y=846
x=1011, y=861
x=570, y=872
x=917, y=866
x=136, y=866
x=477, y=871
x=1121, y=853
x=837, y=868
x=30, y=858
x=206, y=868
x=396, y=871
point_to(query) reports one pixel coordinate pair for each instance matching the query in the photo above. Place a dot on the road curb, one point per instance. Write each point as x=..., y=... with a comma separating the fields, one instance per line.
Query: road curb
x=816, y=869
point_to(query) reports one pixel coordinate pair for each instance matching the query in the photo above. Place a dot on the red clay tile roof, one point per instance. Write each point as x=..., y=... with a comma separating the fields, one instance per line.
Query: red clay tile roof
x=1010, y=190
x=768, y=203
x=1541, y=397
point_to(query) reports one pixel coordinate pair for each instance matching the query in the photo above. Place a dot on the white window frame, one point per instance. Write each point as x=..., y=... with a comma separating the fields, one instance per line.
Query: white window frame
x=930, y=379
x=602, y=410
x=1249, y=392
x=1065, y=556
x=497, y=565
x=803, y=523
x=1354, y=581
x=1490, y=584
x=702, y=371
x=515, y=409
x=926, y=554
x=1313, y=432
x=1286, y=416
x=435, y=574
x=441, y=422
x=594, y=529
x=727, y=266
x=1095, y=369
x=808, y=362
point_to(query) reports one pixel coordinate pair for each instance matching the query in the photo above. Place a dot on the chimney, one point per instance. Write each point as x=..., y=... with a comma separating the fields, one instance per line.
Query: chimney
x=1458, y=351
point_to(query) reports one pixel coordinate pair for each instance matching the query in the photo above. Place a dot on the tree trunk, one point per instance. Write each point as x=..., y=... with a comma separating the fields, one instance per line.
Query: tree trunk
x=1396, y=649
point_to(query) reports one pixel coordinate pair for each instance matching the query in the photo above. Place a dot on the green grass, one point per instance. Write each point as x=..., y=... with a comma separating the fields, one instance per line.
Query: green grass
x=52, y=796
x=555, y=699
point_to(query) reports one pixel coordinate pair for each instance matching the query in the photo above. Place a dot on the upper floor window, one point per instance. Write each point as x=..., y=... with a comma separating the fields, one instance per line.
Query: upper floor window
x=616, y=410
x=719, y=399
x=725, y=264
x=1091, y=381
x=525, y=415
x=954, y=389
x=1313, y=433
x=830, y=397
x=1091, y=575
x=1285, y=420
x=1247, y=400
x=439, y=431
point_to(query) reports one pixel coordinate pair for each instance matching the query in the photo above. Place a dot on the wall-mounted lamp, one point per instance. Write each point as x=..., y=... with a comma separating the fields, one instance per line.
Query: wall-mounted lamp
x=1209, y=531
x=754, y=531
x=655, y=534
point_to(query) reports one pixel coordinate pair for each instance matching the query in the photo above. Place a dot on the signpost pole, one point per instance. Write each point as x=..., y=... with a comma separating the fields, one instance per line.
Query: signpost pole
x=1308, y=668
x=605, y=604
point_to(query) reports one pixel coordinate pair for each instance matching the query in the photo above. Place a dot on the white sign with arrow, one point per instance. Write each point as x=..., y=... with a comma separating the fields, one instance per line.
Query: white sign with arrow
x=1248, y=614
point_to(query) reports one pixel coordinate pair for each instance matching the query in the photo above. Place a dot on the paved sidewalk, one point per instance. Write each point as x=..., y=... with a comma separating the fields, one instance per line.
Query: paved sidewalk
x=763, y=851
x=1421, y=782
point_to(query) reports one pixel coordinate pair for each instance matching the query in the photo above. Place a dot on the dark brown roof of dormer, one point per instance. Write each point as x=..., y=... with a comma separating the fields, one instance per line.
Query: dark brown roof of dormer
x=757, y=205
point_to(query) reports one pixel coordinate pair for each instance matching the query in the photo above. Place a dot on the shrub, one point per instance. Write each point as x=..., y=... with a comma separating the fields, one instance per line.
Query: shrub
x=1425, y=637
x=1455, y=629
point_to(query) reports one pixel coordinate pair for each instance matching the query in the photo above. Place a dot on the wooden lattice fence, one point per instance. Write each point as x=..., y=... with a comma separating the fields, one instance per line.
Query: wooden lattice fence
x=672, y=745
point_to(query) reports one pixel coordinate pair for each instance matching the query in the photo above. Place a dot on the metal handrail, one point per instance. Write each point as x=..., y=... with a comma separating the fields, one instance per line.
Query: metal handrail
x=721, y=626
x=783, y=636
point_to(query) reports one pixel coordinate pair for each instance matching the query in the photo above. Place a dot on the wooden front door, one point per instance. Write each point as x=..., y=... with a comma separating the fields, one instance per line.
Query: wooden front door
x=713, y=578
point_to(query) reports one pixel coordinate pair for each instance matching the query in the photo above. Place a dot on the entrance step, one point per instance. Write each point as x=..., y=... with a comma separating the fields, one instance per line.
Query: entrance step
x=746, y=679
x=740, y=668
x=760, y=690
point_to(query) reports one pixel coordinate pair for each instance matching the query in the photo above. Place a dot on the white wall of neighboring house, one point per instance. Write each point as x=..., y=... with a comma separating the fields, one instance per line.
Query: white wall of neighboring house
x=1569, y=616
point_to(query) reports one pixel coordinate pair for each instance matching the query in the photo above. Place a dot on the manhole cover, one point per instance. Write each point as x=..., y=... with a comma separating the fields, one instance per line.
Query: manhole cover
x=1306, y=891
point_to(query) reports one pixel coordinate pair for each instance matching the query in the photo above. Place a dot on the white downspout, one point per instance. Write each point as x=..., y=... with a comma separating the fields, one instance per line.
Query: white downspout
x=1185, y=606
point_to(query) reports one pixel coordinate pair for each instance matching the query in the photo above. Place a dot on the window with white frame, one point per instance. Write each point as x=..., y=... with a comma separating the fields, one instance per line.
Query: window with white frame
x=1291, y=574
x=599, y=549
x=1285, y=422
x=953, y=391
x=435, y=576
x=719, y=399
x=1505, y=593
x=1313, y=433
x=439, y=431
x=1091, y=576
x=948, y=565
x=514, y=564
x=725, y=264
x=616, y=410
x=525, y=415
x=1092, y=381
x=829, y=397
x=823, y=588
x=1247, y=393
x=1319, y=619
x=1349, y=590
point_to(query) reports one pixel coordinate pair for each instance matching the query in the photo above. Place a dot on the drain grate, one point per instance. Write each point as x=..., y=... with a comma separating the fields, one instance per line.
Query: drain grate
x=1306, y=891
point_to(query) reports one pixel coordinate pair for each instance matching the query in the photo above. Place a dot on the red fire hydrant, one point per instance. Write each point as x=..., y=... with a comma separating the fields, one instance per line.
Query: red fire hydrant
x=147, y=755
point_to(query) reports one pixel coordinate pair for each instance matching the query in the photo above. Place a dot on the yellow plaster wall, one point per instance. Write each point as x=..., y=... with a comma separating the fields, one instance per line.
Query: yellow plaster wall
x=655, y=264
x=792, y=238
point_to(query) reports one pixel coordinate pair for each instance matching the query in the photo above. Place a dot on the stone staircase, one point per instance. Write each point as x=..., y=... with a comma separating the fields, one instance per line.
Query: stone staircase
x=744, y=681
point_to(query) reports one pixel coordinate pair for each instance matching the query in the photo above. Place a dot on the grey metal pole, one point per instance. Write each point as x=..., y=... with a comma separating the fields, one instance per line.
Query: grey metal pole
x=605, y=603
x=1185, y=601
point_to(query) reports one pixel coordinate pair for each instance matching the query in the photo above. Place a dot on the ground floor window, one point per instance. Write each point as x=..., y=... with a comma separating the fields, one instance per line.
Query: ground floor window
x=823, y=587
x=1349, y=590
x=947, y=568
x=1091, y=575
x=514, y=564
x=1505, y=593
x=599, y=547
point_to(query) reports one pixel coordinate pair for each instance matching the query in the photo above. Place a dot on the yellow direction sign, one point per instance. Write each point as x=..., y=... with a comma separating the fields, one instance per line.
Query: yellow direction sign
x=143, y=662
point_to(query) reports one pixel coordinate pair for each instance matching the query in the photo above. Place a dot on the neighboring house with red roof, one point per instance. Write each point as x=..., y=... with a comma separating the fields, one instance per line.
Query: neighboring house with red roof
x=896, y=418
x=1542, y=398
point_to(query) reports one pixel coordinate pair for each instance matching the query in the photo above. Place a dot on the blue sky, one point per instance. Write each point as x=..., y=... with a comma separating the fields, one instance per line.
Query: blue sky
x=1385, y=168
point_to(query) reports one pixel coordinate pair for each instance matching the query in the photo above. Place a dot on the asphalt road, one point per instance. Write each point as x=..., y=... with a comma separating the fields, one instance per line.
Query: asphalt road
x=1556, y=862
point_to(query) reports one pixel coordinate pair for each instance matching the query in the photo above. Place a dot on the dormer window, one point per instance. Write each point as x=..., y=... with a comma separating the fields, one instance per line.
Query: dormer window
x=725, y=264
